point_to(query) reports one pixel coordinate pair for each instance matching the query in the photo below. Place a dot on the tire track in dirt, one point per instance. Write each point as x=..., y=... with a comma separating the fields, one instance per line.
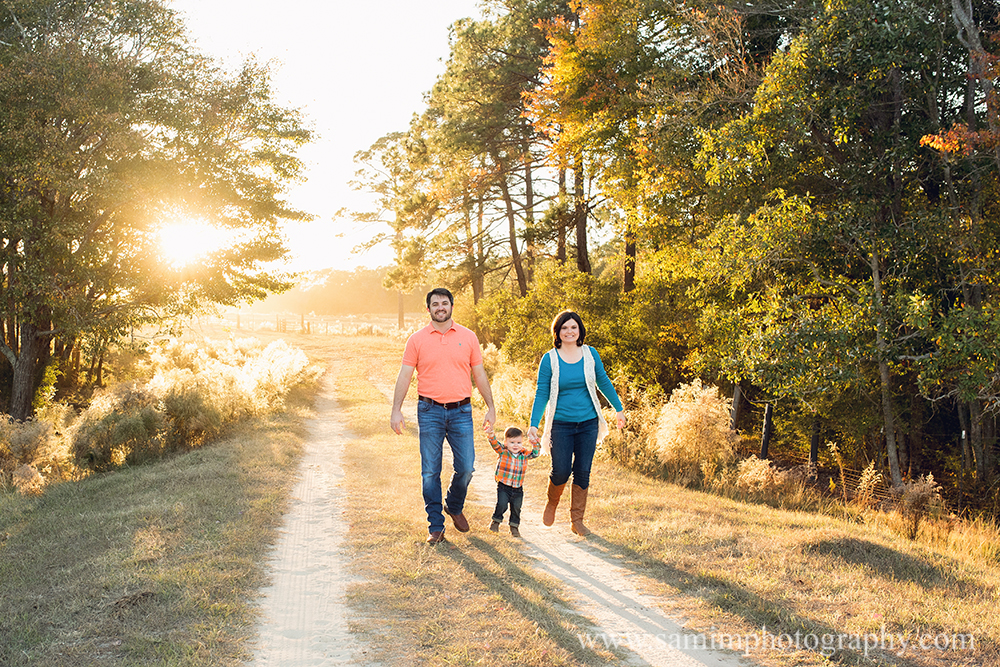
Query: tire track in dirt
x=304, y=614
x=601, y=590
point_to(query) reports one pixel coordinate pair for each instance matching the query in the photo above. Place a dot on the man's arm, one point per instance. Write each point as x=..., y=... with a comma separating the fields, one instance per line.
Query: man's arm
x=396, y=420
x=483, y=384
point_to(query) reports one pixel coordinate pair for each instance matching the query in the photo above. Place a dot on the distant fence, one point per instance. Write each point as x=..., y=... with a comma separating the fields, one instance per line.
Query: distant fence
x=360, y=325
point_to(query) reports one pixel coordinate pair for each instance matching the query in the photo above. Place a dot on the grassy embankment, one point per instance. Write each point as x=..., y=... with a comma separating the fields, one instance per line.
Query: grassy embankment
x=156, y=564
x=149, y=565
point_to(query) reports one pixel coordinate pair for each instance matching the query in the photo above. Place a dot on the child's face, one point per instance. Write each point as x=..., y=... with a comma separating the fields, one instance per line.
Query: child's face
x=514, y=444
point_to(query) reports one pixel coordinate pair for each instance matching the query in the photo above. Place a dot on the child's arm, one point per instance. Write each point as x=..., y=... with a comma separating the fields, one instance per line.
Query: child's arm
x=497, y=446
x=535, y=450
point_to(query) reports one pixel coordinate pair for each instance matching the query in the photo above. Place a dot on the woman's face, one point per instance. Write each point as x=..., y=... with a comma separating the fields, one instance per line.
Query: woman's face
x=569, y=333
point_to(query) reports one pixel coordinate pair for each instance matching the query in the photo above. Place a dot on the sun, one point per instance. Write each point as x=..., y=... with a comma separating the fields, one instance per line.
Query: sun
x=187, y=242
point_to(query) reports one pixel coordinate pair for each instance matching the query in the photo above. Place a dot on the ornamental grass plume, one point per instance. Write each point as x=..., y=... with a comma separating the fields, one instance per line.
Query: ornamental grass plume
x=865, y=494
x=694, y=430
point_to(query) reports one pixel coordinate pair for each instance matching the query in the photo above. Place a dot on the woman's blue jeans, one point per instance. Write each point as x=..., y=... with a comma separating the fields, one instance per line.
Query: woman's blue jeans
x=436, y=424
x=573, y=448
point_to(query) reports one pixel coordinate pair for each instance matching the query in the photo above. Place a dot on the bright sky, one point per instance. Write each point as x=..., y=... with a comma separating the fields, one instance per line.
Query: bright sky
x=357, y=68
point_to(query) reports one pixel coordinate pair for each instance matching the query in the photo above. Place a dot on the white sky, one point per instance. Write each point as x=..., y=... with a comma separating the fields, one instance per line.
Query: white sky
x=357, y=68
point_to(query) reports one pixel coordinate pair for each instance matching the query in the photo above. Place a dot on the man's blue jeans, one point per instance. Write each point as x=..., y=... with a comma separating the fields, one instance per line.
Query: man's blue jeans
x=573, y=447
x=436, y=424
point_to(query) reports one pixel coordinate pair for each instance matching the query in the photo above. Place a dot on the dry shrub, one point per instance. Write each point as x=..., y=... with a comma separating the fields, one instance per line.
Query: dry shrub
x=120, y=425
x=694, y=431
x=754, y=474
x=513, y=388
x=760, y=479
x=637, y=446
x=194, y=391
x=28, y=480
x=865, y=493
x=913, y=501
x=27, y=441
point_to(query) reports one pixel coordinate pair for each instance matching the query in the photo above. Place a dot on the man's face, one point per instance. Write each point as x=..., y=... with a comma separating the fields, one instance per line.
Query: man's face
x=440, y=308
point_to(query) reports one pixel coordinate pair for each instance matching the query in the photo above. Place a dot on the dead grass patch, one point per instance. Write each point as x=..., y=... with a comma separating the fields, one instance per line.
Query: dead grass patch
x=150, y=565
x=734, y=567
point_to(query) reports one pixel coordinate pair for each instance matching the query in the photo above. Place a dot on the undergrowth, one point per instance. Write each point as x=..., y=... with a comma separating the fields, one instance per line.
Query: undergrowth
x=189, y=394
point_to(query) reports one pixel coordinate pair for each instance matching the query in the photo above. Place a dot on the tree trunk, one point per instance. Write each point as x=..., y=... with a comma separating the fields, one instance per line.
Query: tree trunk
x=515, y=254
x=814, y=444
x=734, y=415
x=765, y=435
x=976, y=439
x=882, y=350
x=479, y=281
x=561, y=218
x=628, y=279
x=963, y=420
x=25, y=372
x=530, y=232
x=581, y=214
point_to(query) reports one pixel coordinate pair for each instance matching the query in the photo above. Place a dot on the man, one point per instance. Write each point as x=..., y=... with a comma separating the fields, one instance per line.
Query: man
x=443, y=353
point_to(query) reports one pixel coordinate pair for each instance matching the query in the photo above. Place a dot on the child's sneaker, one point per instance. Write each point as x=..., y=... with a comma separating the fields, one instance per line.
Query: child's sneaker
x=495, y=526
x=514, y=531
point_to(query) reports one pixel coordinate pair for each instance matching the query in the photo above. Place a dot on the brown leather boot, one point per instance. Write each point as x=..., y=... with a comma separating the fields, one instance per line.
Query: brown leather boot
x=549, y=514
x=578, y=505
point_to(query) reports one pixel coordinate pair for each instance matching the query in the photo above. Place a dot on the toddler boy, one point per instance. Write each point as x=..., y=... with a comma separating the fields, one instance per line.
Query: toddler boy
x=510, y=475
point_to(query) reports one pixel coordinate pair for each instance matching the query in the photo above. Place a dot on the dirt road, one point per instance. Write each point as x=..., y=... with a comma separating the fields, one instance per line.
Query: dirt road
x=304, y=611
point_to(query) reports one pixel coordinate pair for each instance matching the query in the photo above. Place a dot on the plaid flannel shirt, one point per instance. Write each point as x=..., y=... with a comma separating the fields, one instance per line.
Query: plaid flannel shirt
x=510, y=467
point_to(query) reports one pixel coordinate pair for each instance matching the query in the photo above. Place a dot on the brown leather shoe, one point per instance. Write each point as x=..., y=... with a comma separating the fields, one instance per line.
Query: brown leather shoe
x=461, y=523
x=436, y=537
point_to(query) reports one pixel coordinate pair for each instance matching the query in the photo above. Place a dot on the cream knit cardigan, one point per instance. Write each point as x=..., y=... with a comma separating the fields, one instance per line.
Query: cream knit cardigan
x=590, y=375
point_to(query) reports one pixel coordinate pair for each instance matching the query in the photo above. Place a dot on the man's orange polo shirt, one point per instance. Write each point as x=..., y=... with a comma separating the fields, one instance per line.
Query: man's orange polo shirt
x=443, y=361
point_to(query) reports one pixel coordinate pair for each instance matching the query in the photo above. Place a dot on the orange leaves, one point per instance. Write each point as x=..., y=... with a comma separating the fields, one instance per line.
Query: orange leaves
x=960, y=140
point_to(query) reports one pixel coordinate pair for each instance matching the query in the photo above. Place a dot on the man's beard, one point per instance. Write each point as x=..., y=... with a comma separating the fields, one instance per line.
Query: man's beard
x=441, y=317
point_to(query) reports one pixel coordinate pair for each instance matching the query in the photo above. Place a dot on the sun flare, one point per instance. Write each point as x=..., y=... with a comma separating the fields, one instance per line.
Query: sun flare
x=188, y=242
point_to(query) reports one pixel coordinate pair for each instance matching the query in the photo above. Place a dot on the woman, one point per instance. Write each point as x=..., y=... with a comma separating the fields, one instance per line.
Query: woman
x=568, y=379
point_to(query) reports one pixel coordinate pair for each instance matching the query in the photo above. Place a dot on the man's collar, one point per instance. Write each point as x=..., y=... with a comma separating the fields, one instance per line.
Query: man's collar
x=433, y=326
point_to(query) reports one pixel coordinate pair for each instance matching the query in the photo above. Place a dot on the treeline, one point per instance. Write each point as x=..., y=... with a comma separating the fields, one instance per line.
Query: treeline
x=112, y=127
x=337, y=292
x=796, y=198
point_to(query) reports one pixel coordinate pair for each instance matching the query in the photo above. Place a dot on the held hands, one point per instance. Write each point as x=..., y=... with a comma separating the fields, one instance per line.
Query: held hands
x=533, y=435
x=620, y=419
x=489, y=419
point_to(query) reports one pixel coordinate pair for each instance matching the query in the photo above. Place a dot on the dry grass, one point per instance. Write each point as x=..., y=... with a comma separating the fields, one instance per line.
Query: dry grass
x=150, y=565
x=735, y=567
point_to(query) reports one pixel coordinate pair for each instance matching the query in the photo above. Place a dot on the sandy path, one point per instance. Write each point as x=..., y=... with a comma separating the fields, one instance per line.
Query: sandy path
x=304, y=621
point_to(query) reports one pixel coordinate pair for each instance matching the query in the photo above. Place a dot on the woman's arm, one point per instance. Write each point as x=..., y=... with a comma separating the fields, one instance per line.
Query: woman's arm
x=604, y=383
x=544, y=380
